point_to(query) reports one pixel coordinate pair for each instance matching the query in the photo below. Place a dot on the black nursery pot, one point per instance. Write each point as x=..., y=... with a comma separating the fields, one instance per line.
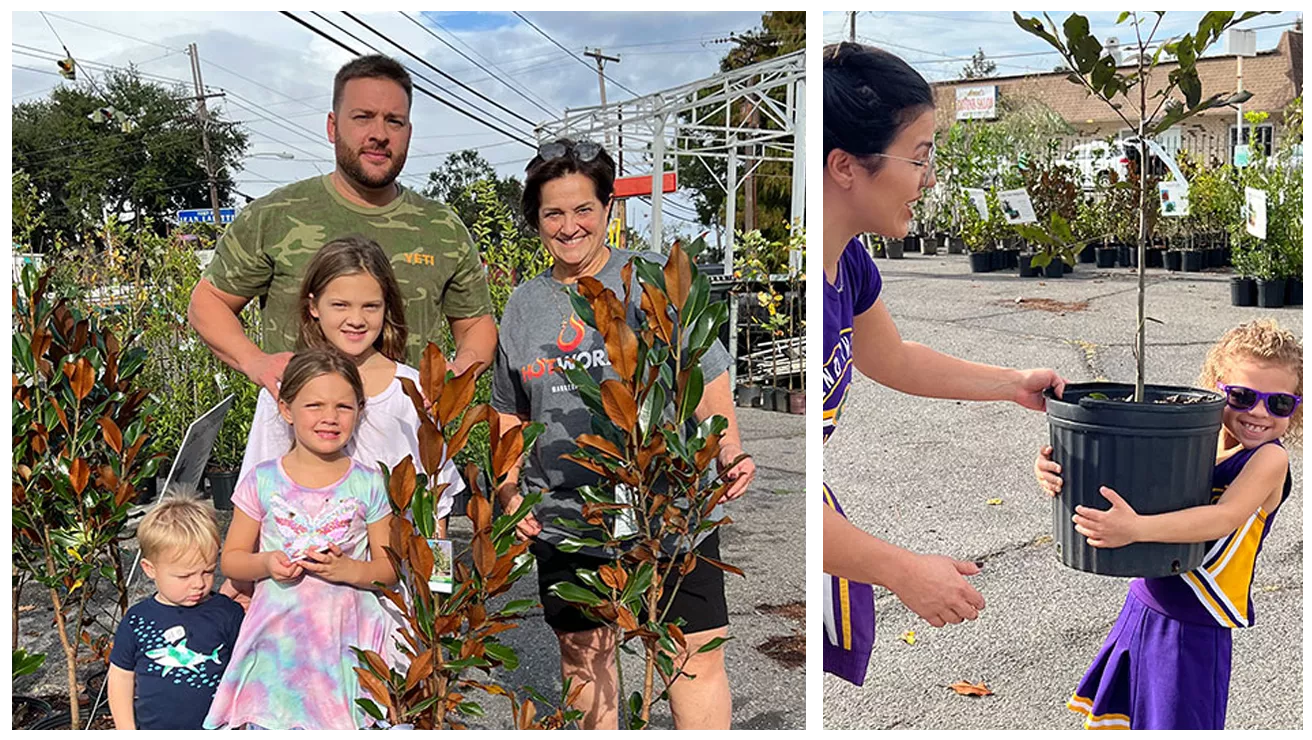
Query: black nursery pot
x=1157, y=456
x=1024, y=268
x=748, y=396
x=997, y=260
x=1271, y=293
x=1054, y=269
x=222, y=485
x=1192, y=260
x=1174, y=260
x=981, y=261
x=1105, y=256
x=1154, y=257
x=1123, y=254
x=1243, y=291
x=1293, y=291
x=1088, y=255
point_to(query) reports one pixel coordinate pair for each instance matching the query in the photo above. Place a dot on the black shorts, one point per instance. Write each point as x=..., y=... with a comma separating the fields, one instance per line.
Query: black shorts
x=700, y=600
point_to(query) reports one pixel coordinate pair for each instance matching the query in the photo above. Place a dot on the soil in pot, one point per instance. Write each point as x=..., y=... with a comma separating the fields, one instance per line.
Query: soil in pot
x=1192, y=260
x=981, y=262
x=1293, y=291
x=1174, y=259
x=1105, y=256
x=1157, y=455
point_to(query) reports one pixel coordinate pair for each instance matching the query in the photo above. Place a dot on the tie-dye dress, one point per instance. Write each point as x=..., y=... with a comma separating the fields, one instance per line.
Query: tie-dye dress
x=292, y=666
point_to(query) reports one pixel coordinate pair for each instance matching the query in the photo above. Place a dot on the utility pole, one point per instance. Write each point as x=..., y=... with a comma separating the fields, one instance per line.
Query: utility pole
x=204, y=116
x=851, y=33
x=601, y=59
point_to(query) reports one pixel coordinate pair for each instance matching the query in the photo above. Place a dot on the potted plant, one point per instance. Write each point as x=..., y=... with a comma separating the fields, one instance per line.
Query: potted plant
x=1278, y=256
x=893, y=248
x=1243, y=285
x=1114, y=434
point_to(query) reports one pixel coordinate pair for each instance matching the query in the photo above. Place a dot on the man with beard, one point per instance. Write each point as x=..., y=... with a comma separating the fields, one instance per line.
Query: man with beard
x=264, y=252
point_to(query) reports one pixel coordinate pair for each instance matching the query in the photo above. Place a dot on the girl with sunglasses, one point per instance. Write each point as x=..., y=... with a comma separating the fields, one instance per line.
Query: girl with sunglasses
x=879, y=159
x=1166, y=663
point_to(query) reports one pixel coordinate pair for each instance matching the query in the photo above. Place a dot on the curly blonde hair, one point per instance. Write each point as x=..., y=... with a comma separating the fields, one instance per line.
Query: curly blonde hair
x=1261, y=341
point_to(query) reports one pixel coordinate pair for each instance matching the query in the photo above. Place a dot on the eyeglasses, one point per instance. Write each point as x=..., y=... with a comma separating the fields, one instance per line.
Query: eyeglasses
x=585, y=151
x=1280, y=405
x=926, y=164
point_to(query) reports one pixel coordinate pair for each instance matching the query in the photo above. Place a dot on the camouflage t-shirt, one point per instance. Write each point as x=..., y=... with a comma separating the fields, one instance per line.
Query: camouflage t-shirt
x=265, y=252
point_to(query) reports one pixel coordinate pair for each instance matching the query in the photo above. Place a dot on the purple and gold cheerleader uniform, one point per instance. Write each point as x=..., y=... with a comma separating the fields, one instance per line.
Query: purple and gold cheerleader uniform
x=849, y=607
x=1166, y=663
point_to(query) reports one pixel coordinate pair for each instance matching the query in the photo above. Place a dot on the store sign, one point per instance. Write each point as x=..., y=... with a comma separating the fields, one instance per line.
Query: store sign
x=977, y=102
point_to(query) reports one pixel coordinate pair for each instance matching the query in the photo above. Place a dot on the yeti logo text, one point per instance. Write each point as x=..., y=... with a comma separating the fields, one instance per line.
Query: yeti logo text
x=415, y=258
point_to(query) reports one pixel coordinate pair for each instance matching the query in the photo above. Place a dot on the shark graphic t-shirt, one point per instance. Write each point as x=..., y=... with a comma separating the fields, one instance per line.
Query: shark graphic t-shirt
x=178, y=654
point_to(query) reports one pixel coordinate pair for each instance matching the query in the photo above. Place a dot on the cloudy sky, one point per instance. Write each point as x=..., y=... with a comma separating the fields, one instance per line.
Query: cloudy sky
x=277, y=75
x=939, y=44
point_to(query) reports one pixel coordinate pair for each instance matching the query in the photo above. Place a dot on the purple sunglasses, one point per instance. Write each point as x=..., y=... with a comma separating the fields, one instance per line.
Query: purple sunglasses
x=1280, y=405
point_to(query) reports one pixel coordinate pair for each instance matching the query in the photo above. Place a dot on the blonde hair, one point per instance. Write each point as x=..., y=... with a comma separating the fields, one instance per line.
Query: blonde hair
x=308, y=364
x=353, y=255
x=180, y=523
x=1264, y=342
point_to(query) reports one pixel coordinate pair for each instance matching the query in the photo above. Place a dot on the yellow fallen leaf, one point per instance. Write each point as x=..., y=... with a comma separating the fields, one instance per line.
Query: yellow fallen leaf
x=966, y=688
x=909, y=637
x=993, y=501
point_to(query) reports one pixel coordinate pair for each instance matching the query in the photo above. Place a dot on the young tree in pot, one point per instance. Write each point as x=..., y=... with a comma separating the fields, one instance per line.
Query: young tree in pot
x=79, y=420
x=445, y=638
x=1273, y=260
x=1107, y=434
x=655, y=499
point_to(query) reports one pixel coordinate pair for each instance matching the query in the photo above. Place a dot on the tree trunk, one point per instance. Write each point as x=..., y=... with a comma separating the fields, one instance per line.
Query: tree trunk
x=70, y=655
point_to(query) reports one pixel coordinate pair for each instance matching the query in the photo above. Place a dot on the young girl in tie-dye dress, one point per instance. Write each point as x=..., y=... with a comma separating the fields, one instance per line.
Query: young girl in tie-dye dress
x=309, y=528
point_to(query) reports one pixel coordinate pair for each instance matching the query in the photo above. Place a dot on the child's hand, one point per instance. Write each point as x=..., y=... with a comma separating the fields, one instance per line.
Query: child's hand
x=280, y=568
x=1115, y=527
x=1047, y=472
x=331, y=565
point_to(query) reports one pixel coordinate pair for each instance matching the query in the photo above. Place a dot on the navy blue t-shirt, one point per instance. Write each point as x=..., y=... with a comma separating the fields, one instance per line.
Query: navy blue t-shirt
x=178, y=654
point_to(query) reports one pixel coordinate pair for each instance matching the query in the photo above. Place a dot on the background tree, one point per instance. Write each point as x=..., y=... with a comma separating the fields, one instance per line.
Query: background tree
x=453, y=183
x=979, y=66
x=149, y=163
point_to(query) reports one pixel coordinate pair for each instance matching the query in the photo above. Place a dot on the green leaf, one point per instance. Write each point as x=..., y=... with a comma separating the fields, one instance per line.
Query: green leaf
x=531, y=432
x=582, y=308
x=503, y=653
x=637, y=585
x=653, y=408
x=470, y=708
x=666, y=663
x=635, y=711
x=698, y=295
x=649, y=272
x=26, y=663
x=1121, y=18
x=370, y=708
x=505, y=524
x=591, y=579
x=712, y=644
x=574, y=544
x=518, y=606
x=589, y=389
x=692, y=394
x=575, y=594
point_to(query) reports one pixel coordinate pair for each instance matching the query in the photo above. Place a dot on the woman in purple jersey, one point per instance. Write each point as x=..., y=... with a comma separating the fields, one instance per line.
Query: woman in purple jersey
x=1166, y=663
x=879, y=158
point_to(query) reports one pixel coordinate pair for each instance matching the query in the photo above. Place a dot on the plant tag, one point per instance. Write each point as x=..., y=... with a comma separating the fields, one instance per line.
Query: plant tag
x=1175, y=198
x=1016, y=206
x=175, y=633
x=980, y=199
x=442, y=581
x=626, y=522
x=1255, y=212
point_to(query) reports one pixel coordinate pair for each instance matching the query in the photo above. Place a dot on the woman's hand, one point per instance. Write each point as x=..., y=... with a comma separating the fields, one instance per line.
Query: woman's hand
x=332, y=565
x=740, y=474
x=935, y=588
x=510, y=498
x=1048, y=472
x=1114, y=527
x=280, y=568
x=1032, y=383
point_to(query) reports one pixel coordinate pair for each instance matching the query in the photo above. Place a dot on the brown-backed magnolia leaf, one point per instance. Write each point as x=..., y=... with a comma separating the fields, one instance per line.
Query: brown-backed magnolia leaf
x=458, y=395
x=430, y=446
x=480, y=513
x=63, y=419
x=485, y=554
x=506, y=452
x=626, y=276
x=657, y=308
x=473, y=416
x=113, y=437
x=78, y=475
x=625, y=619
x=432, y=372
x=124, y=493
x=678, y=277
x=619, y=404
x=376, y=663
x=421, y=557
x=402, y=483
x=965, y=688
x=677, y=635
x=601, y=444
x=395, y=597
x=416, y=398
x=376, y=687
x=613, y=576
x=722, y=566
x=84, y=378
x=526, y=714
x=477, y=615
x=622, y=348
x=419, y=669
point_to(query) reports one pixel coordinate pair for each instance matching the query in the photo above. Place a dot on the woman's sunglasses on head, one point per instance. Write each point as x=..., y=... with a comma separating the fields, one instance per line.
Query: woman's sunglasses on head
x=585, y=151
x=1239, y=398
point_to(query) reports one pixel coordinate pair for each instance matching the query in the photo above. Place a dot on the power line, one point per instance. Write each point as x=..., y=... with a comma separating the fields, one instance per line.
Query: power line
x=425, y=62
x=572, y=54
x=509, y=86
x=429, y=93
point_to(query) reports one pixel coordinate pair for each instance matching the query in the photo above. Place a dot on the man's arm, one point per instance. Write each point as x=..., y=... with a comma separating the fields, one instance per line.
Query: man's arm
x=476, y=341
x=214, y=313
x=716, y=399
x=122, y=685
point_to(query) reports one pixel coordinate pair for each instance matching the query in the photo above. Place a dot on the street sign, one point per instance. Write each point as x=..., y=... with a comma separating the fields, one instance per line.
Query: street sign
x=206, y=215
